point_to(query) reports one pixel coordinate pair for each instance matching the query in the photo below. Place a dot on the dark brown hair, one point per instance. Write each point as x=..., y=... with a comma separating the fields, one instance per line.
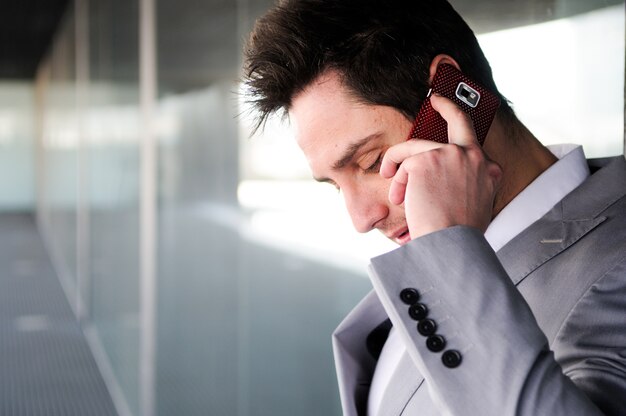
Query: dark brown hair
x=381, y=48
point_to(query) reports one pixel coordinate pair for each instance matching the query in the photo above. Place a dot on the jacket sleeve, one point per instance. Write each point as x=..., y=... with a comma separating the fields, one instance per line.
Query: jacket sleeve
x=471, y=333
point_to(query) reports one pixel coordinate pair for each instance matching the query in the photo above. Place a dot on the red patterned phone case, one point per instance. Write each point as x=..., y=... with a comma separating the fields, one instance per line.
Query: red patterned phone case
x=471, y=97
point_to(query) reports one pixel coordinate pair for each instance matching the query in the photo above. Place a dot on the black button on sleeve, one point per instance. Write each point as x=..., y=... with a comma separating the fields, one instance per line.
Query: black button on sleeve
x=418, y=311
x=409, y=296
x=435, y=343
x=426, y=327
x=451, y=358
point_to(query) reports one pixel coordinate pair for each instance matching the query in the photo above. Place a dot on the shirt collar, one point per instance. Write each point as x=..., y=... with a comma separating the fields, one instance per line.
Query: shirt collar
x=540, y=196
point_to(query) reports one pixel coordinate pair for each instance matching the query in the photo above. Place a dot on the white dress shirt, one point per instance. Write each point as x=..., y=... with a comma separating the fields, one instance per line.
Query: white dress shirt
x=527, y=207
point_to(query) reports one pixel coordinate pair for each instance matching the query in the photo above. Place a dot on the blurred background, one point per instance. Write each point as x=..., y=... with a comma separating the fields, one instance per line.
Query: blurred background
x=203, y=268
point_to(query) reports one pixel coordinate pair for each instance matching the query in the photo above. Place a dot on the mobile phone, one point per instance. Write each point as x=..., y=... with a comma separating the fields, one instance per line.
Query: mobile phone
x=477, y=101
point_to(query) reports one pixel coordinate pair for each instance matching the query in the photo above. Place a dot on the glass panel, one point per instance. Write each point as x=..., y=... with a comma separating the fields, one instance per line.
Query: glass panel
x=198, y=237
x=60, y=148
x=16, y=146
x=254, y=314
x=111, y=122
x=198, y=255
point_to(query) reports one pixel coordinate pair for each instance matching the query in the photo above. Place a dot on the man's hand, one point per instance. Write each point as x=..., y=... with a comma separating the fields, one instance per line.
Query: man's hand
x=443, y=185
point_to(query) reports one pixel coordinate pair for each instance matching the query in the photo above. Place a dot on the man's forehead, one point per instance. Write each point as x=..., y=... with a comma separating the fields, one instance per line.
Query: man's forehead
x=320, y=108
x=327, y=89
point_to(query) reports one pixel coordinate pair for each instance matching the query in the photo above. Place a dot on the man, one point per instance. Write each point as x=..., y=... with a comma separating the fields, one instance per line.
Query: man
x=508, y=293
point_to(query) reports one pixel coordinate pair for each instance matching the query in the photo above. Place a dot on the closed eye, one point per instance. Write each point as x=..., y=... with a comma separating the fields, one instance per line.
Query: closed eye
x=375, y=167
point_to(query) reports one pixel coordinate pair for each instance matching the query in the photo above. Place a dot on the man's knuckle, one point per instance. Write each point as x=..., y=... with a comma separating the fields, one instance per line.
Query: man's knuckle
x=475, y=154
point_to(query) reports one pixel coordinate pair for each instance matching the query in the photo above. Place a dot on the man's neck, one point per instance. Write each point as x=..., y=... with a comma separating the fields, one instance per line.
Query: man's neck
x=522, y=158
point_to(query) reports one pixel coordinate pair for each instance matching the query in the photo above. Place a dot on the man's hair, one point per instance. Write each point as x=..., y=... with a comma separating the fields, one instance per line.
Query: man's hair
x=382, y=50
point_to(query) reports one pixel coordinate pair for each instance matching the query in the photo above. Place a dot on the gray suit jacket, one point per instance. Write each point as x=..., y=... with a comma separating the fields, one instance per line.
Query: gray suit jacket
x=540, y=326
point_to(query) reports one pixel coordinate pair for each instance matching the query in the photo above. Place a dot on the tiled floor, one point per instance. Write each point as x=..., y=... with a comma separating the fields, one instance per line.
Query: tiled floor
x=46, y=367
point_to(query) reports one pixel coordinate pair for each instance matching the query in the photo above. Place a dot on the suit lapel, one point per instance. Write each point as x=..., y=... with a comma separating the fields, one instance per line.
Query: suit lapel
x=356, y=360
x=355, y=364
x=576, y=215
x=541, y=242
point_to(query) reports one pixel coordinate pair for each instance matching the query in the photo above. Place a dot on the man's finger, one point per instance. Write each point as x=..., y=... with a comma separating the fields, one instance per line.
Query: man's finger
x=397, y=189
x=460, y=126
x=395, y=155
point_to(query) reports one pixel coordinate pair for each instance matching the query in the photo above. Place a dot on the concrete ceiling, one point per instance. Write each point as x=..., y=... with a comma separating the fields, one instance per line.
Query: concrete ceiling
x=26, y=27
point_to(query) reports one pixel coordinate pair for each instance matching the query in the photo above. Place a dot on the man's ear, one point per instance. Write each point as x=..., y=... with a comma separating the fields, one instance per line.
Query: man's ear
x=438, y=60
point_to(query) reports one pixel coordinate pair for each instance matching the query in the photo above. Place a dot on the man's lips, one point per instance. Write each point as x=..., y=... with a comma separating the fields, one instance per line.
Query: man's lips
x=400, y=236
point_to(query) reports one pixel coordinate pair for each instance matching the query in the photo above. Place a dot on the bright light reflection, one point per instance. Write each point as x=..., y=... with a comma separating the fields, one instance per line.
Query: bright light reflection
x=310, y=219
x=565, y=78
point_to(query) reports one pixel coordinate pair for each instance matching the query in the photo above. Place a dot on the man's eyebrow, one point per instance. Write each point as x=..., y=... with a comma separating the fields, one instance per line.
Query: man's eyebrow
x=349, y=153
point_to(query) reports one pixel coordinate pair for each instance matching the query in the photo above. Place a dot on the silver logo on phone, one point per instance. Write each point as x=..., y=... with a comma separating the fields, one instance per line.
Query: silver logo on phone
x=467, y=94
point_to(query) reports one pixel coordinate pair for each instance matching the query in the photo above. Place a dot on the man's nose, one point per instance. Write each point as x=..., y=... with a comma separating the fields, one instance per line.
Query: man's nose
x=365, y=209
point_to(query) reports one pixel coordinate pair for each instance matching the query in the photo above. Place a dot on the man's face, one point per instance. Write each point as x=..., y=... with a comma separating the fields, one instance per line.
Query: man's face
x=344, y=142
